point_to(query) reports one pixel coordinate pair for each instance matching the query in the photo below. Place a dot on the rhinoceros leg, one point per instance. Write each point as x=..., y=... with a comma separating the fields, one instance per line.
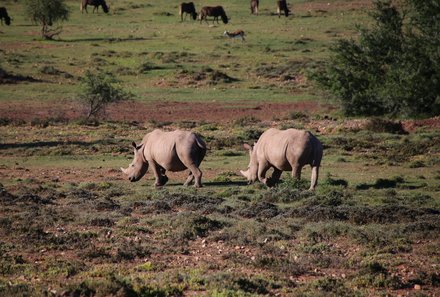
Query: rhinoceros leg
x=262, y=169
x=314, y=179
x=197, y=174
x=296, y=171
x=274, y=178
x=159, y=174
x=189, y=180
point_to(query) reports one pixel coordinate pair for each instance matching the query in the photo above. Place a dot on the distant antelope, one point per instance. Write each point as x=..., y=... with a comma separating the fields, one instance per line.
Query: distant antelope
x=187, y=8
x=214, y=11
x=4, y=15
x=95, y=4
x=235, y=34
x=282, y=6
x=254, y=6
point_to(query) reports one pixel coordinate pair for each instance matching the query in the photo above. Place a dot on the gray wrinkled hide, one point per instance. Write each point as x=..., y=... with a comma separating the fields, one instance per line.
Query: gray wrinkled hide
x=283, y=150
x=167, y=151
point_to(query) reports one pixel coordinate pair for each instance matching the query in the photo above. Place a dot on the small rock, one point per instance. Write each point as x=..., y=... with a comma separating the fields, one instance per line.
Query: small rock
x=417, y=287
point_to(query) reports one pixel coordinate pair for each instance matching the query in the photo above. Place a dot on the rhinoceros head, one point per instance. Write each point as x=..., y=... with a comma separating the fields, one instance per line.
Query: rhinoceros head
x=137, y=169
x=251, y=172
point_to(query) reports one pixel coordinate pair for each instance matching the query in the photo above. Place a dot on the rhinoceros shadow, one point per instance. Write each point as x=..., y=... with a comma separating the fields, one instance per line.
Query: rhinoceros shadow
x=225, y=183
x=212, y=184
x=4, y=146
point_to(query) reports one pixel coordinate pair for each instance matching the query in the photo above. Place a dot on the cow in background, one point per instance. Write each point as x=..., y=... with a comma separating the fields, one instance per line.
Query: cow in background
x=4, y=15
x=214, y=11
x=187, y=8
x=282, y=6
x=254, y=6
x=95, y=4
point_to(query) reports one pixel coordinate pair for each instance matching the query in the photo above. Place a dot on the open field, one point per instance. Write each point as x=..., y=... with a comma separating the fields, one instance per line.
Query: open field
x=72, y=225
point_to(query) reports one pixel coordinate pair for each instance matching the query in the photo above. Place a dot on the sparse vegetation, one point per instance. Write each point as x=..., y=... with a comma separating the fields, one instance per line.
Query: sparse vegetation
x=99, y=90
x=46, y=13
x=72, y=225
x=393, y=68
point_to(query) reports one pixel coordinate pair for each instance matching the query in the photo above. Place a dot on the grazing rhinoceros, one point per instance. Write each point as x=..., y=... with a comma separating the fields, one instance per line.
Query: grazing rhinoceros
x=173, y=151
x=287, y=150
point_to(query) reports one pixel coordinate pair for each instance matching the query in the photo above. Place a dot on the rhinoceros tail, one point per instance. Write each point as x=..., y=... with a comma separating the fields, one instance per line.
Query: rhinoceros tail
x=201, y=144
x=317, y=153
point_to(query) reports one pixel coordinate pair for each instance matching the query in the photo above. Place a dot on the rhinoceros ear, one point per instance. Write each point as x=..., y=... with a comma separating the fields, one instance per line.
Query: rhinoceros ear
x=247, y=146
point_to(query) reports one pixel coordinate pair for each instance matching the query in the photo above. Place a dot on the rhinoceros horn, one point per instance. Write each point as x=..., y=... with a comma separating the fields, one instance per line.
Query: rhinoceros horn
x=124, y=170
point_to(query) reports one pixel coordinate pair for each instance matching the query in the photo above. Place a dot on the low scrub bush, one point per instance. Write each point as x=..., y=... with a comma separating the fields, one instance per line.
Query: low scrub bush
x=98, y=91
x=379, y=125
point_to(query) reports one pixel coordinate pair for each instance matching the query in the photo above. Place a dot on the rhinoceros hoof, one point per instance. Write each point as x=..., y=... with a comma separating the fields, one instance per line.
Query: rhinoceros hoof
x=163, y=180
x=270, y=182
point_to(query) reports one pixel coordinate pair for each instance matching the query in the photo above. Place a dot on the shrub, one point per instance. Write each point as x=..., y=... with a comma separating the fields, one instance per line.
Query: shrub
x=98, y=91
x=393, y=68
x=380, y=125
x=45, y=13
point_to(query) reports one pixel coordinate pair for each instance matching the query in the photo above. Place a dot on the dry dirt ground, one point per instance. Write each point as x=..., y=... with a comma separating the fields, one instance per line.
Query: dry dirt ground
x=160, y=111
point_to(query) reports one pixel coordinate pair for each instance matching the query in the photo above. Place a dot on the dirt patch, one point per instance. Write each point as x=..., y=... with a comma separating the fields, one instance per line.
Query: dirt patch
x=412, y=125
x=161, y=111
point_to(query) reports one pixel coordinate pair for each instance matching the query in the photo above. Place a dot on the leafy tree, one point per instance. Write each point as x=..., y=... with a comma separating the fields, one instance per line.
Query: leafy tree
x=393, y=68
x=46, y=13
x=98, y=91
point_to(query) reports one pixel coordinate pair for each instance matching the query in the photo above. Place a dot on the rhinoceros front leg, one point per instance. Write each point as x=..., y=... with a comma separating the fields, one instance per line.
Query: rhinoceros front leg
x=159, y=174
x=274, y=178
x=262, y=169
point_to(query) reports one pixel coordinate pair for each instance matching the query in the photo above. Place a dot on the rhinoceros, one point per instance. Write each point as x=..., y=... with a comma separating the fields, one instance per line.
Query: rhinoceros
x=174, y=151
x=284, y=150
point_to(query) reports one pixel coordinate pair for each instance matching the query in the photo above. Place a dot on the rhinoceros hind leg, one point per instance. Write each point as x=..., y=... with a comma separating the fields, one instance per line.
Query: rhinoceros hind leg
x=189, y=180
x=197, y=174
x=314, y=178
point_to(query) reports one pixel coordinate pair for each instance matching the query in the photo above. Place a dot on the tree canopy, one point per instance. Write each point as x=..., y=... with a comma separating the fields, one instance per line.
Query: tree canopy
x=394, y=67
x=46, y=13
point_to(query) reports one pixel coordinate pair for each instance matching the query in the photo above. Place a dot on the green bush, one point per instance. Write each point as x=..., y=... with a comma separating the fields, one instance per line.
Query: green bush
x=99, y=90
x=394, y=67
x=46, y=13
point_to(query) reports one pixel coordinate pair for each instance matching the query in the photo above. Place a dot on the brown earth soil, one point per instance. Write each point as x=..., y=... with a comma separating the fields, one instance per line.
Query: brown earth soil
x=161, y=111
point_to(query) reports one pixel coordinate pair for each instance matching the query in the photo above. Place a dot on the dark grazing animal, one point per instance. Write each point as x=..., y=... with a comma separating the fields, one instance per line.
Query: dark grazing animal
x=254, y=6
x=4, y=15
x=214, y=11
x=282, y=5
x=187, y=8
x=95, y=4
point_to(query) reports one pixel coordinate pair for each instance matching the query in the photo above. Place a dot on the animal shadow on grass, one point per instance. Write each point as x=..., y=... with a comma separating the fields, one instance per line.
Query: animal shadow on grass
x=37, y=144
x=213, y=183
x=226, y=183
